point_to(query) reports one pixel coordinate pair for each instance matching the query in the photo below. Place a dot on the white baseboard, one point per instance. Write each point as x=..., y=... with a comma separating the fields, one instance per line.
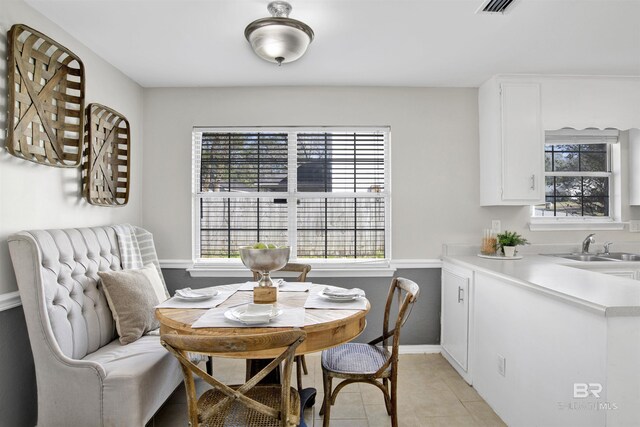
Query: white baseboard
x=419, y=349
x=10, y=300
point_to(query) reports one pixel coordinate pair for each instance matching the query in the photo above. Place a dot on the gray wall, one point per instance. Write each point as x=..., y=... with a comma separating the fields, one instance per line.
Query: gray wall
x=434, y=154
x=17, y=375
x=423, y=327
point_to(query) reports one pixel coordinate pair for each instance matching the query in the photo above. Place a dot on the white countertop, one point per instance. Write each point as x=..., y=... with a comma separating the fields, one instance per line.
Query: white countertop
x=566, y=280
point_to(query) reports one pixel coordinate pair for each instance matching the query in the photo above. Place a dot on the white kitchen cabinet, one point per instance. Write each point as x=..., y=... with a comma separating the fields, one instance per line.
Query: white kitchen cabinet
x=455, y=316
x=538, y=328
x=511, y=143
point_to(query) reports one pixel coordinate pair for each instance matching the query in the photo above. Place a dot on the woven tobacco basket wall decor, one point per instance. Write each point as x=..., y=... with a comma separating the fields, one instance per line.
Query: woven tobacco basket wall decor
x=106, y=158
x=46, y=99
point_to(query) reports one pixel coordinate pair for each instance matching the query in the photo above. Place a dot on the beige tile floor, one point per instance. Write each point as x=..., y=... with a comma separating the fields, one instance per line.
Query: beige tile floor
x=431, y=393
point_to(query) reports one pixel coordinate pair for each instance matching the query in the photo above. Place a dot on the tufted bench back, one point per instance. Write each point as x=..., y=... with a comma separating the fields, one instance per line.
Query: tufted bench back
x=69, y=294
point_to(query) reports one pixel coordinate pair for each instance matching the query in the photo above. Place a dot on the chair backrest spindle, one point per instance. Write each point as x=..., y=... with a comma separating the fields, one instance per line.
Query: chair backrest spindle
x=179, y=345
x=406, y=292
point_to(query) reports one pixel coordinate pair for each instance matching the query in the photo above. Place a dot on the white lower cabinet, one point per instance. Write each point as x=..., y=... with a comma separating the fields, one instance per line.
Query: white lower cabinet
x=455, y=315
x=526, y=350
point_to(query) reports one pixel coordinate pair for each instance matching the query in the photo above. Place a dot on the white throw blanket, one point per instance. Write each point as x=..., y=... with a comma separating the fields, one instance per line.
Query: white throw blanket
x=137, y=249
x=130, y=255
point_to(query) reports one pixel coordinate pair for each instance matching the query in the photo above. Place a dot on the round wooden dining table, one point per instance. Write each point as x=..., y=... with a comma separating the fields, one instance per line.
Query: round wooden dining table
x=325, y=328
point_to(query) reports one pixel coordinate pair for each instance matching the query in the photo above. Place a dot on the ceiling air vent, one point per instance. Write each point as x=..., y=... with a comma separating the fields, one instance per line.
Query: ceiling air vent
x=494, y=6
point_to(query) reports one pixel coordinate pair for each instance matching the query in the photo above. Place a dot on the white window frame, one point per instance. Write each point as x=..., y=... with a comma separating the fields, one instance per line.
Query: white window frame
x=230, y=267
x=611, y=222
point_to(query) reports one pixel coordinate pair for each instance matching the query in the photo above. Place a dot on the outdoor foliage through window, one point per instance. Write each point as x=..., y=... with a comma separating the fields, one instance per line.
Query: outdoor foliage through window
x=323, y=193
x=577, y=178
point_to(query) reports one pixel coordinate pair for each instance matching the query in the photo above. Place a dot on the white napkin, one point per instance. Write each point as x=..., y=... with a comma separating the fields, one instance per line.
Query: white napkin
x=257, y=313
x=218, y=299
x=215, y=318
x=343, y=293
x=314, y=300
x=190, y=293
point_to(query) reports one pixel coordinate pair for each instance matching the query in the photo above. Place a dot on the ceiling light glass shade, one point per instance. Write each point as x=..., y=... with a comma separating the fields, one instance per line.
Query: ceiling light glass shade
x=279, y=39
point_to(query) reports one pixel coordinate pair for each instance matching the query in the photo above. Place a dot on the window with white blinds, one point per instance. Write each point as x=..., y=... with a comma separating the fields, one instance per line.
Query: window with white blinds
x=324, y=192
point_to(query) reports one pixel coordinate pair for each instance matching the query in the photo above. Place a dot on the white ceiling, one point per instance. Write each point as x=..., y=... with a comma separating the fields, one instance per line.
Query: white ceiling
x=161, y=43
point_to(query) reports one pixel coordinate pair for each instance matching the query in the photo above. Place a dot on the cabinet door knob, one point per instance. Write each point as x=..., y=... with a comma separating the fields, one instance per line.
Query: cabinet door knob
x=533, y=182
x=460, y=294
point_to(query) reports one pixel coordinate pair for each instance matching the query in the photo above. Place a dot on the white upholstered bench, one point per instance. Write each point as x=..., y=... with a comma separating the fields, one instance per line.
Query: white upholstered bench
x=85, y=377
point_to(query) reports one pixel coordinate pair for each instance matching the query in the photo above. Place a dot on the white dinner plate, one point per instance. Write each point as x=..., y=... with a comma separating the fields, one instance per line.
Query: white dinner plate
x=201, y=297
x=345, y=298
x=234, y=313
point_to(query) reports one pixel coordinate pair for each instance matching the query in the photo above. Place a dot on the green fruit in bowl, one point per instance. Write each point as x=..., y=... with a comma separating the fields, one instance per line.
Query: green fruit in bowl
x=259, y=245
x=271, y=246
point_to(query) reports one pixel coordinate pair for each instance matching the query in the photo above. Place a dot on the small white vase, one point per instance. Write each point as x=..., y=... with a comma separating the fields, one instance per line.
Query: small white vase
x=509, y=251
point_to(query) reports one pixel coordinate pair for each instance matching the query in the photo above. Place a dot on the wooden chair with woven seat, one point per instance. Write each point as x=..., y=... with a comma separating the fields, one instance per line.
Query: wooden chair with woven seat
x=303, y=269
x=370, y=363
x=249, y=404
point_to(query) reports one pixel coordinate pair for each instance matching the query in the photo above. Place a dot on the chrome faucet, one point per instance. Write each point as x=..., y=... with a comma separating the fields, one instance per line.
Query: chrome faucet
x=586, y=242
x=606, y=247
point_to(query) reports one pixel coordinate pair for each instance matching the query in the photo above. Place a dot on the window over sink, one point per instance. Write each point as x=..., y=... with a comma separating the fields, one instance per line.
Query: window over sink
x=580, y=171
x=322, y=191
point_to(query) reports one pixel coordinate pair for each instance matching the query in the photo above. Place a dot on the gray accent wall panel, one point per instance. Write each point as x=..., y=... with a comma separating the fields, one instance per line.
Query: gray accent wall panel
x=423, y=326
x=18, y=398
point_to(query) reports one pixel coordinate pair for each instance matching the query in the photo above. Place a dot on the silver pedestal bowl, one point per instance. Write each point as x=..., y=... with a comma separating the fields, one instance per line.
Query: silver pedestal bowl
x=264, y=261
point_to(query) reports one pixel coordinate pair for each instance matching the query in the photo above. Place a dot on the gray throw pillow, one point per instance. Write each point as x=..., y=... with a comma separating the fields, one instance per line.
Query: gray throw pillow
x=132, y=300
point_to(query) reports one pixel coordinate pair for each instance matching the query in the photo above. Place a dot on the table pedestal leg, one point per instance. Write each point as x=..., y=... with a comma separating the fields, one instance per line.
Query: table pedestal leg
x=256, y=365
x=307, y=395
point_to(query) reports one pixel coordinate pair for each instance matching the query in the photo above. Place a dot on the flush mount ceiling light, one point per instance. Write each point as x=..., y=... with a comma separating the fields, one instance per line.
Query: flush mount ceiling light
x=279, y=39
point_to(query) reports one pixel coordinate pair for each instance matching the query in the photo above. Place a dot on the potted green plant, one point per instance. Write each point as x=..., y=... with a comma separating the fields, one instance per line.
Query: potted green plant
x=508, y=241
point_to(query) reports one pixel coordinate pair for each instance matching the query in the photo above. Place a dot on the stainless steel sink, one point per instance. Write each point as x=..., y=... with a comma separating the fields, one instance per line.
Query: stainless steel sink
x=613, y=256
x=621, y=256
x=585, y=257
